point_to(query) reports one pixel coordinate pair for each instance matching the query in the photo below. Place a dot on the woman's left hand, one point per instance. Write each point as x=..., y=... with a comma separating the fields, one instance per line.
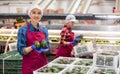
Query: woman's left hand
x=44, y=49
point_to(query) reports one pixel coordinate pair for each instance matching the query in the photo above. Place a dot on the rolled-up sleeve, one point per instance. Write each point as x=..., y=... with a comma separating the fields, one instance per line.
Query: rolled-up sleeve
x=21, y=42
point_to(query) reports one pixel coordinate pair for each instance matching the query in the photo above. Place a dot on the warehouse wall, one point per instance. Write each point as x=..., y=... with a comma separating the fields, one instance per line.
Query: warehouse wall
x=21, y=8
x=102, y=6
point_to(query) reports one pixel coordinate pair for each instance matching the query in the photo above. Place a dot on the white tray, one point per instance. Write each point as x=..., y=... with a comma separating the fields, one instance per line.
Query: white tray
x=109, y=61
x=78, y=69
x=84, y=49
x=64, y=59
x=49, y=65
x=83, y=62
x=104, y=70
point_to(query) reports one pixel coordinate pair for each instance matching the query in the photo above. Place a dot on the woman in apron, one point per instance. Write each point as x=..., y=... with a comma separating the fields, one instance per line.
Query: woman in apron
x=27, y=35
x=67, y=38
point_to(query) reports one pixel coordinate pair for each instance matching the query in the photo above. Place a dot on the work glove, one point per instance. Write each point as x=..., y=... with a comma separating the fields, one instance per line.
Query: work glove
x=36, y=46
x=74, y=42
x=40, y=50
x=79, y=36
x=77, y=39
x=44, y=49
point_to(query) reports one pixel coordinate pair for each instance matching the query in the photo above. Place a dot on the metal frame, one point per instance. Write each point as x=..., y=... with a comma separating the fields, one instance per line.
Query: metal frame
x=62, y=16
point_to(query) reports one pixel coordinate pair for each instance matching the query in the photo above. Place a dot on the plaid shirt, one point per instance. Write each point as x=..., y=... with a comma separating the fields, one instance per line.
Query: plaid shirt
x=66, y=34
x=21, y=43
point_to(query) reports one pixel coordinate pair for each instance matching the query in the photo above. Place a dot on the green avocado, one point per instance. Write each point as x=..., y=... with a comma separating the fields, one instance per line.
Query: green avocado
x=81, y=37
x=37, y=44
x=44, y=44
x=78, y=39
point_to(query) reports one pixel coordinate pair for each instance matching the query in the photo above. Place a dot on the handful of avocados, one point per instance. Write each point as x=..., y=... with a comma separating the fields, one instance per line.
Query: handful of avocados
x=79, y=39
x=39, y=45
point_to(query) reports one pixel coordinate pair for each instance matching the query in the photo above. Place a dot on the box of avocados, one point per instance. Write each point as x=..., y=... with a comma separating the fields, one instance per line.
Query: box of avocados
x=101, y=70
x=64, y=60
x=50, y=69
x=84, y=49
x=83, y=62
x=108, y=59
x=74, y=69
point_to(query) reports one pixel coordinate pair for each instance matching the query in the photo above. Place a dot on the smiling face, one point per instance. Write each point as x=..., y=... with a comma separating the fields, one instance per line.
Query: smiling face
x=35, y=15
x=70, y=24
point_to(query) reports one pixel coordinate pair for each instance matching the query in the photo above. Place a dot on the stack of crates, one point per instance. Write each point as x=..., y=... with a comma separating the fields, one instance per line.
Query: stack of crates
x=66, y=65
x=105, y=62
x=11, y=64
x=2, y=59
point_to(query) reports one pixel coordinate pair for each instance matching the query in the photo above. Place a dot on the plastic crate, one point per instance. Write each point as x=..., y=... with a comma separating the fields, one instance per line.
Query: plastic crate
x=84, y=49
x=2, y=62
x=2, y=58
x=84, y=62
x=109, y=47
x=106, y=60
x=101, y=70
x=12, y=46
x=64, y=60
x=53, y=47
x=14, y=52
x=10, y=63
x=118, y=72
x=13, y=62
x=54, y=41
x=76, y=70
x=11, y=71
x=50, y=69
x=119, y=63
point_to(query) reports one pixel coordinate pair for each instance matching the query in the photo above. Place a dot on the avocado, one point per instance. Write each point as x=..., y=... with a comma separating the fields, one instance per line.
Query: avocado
x=78, y=39
x=44, y=44
x=37, y=44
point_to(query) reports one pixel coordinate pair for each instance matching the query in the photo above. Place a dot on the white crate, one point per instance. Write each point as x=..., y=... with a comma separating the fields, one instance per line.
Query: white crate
x=84, y=62
x=119, y=62
x=102, y=60
x=64, y=60
x=84, y=49
x=118, y=71
x=39, y=71
x=12, y=46
x=101, y=70
x=75, y=69
x=109, y=47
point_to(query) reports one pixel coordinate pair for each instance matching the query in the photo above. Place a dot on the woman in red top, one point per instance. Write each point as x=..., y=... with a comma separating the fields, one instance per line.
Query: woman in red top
x=67, y=38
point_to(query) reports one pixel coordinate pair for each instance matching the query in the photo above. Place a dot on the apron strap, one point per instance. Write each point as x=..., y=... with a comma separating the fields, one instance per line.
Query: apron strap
x=40, y=28
x=28, y=25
